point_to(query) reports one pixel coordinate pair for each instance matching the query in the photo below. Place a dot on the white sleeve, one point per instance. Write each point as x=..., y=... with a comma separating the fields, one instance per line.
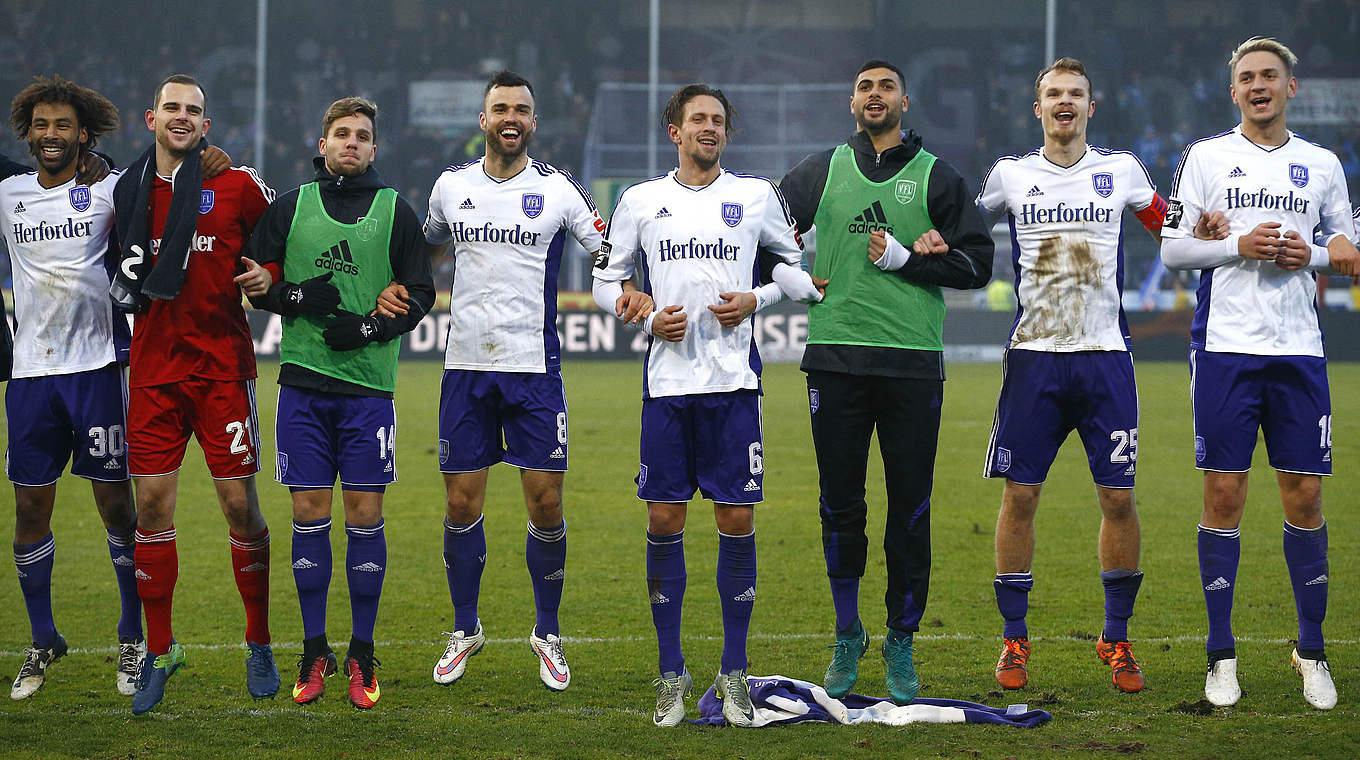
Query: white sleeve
x=991, y=199
x=437, y=230
x=795, y=283
x=777, y=232
x=582, y=217
x=1141, y=189
x=1193, y=253
x=614, y=262
x=1187, y=201
x=606, y=294
x=1334, y=215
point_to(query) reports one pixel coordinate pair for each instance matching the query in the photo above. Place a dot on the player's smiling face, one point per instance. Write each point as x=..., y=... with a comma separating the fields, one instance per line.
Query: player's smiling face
x=178, y=118
x=55, y=137
x=879, y=101
x=1261, y=87
x=1064, y=105
x=349, y=146
x=509, y=121
x=701, y=134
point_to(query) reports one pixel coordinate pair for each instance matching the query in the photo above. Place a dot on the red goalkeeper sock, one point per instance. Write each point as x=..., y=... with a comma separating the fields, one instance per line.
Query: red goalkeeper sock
x=250, y=564
x=157, y=563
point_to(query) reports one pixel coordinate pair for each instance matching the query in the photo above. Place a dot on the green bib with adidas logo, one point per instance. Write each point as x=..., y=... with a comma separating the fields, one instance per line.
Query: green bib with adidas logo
x=865, y=306
x=357, y=257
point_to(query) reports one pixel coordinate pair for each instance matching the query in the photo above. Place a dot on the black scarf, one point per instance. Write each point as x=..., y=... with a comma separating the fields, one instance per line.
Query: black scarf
x=137, y=280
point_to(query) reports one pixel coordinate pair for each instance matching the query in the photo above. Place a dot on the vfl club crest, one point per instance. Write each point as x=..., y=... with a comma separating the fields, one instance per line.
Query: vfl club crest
x=905, y=191
x=443, y=451
x=1298, y=174
x=814, y=399
x=366, y=228
x=642, y=475
x=1103, y=183
x=1003, y=459
x=731, y=213
x=532, y=204
x=1199, y=448
x=80, y=198
x=206, y=200
x=283, y=465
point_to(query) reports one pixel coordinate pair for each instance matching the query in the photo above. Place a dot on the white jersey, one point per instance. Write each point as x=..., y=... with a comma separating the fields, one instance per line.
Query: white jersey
x=1249, y=306
x=694, y=244
x=1066, y=227
x=58, y=242
x=507, y=245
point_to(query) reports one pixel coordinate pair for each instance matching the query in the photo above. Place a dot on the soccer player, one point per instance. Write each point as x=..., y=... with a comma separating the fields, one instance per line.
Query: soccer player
x=1256, y=354
x=874, y=357
x=1067, y=364
x=192, y=370
x=505, y=216
x=698, y=229
x=66, y=398
x=340, y=240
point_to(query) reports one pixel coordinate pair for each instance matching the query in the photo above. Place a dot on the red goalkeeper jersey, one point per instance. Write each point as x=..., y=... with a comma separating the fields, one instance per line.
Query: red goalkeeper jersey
x=202, y=332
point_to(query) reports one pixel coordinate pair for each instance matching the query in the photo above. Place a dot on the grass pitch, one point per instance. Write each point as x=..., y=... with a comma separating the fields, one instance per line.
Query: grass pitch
x=501, y=710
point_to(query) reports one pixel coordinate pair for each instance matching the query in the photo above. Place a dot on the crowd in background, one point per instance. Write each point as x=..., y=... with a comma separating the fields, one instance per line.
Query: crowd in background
x=1155, y=89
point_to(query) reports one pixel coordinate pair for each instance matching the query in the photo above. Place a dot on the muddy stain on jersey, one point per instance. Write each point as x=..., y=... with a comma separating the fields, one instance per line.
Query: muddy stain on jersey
x=1063, y=273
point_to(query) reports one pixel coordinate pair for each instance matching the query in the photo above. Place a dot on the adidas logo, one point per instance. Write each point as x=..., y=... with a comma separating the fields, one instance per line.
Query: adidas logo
x=659, y=598
x=368, y=567
x=446, y=564
x=303, y=563
x=1218, y=584
x=871, y=219
x=558, y=454
x=112, y=464
x=662, y=214
x=250, y=459
x=141, y=575
x=481, y=559
x=467, y=205
x=388, y=468
x=1321, y=579
x=337, y=258
x=22, y=574
x=255, y=567
x=123, y=560
x=555, y=575
x=1034, y=192
x=1236, y=172
x=749, y=595
x=19, y=209
x=751, y=485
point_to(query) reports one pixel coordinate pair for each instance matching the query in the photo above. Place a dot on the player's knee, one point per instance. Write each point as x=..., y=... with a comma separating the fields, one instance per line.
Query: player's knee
x=545, y=508
x=1117, y=505
x=462, y=507
x=32, y=518
x=665, y=519
x=734, y=520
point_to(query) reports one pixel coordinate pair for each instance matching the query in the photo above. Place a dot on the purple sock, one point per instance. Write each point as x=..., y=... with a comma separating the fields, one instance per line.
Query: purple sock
x=666, y=592
x=737, y=594
x=312, y=573
x=366, y=563
x=1305, y=553
x=1219, y=551
x=845, y=598
x=1121, y=589
x=545, y=553
x=34, y=563
x=1012, y=600
x=121, y=545
x=464, y=559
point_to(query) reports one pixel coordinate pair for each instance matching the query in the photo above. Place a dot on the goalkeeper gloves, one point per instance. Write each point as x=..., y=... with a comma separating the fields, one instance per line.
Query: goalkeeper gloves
x=347, y=331
x=314, y=296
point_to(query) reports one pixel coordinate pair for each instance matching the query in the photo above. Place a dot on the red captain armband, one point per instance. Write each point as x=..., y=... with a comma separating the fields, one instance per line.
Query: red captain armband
x=1152, y=216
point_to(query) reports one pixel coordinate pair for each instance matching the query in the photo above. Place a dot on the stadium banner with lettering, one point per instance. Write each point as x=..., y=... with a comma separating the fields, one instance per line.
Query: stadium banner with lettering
x=445, y=103
x=1326, y=101
x=781, y=332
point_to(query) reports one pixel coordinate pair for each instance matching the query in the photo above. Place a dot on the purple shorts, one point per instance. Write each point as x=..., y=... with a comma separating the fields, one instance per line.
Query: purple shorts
x=1286, y=397
x=708, y=441
x=476, y=407
x=1045, y=395
x=322, y=435
x=81, y=417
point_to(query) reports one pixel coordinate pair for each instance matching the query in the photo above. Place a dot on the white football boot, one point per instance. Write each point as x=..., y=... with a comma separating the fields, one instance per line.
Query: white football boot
x=1220, y=685
x=130, y=656
x=671, y=691
x=1318, y=688
x=552, y=661
x=461, y=648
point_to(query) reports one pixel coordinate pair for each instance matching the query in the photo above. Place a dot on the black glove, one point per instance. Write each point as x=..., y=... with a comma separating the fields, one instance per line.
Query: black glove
x=314, y=296
x=347, y=331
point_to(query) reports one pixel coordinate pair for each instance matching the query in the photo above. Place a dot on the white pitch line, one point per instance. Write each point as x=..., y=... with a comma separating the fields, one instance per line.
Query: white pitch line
x=581, y=640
